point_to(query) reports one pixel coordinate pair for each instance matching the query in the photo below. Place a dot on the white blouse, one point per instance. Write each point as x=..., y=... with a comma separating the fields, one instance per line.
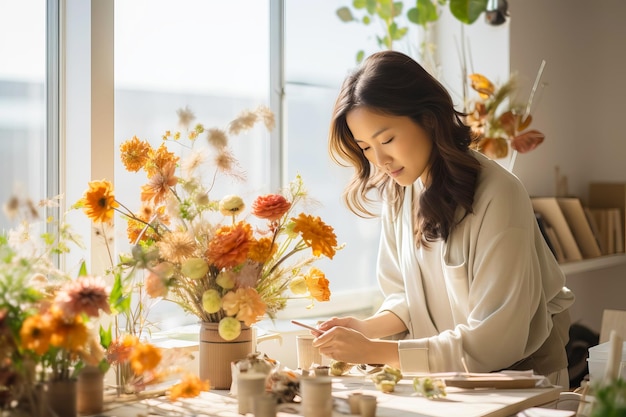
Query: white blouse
x=487, y=295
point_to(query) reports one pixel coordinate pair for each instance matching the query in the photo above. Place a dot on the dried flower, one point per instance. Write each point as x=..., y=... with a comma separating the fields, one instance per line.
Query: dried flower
x=191, y=386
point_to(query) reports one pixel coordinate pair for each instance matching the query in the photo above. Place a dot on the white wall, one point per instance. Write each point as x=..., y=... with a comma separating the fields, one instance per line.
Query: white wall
x=580, y=111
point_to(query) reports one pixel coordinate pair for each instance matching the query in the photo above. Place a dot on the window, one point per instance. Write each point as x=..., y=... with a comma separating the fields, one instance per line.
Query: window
x=23, y=136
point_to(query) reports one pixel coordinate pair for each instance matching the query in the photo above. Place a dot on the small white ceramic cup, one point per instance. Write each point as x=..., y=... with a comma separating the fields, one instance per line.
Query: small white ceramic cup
x=249, y=385
x=264, y=405
x=307, y=354
x=317, y=398
x=367, y=405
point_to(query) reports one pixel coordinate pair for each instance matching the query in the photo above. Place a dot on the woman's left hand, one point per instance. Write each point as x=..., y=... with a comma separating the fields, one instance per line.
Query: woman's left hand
x=348, y=345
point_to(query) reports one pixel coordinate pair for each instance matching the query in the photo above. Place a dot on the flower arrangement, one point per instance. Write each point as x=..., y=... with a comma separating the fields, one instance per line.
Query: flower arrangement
x=45, y=332
x=209, y=255
x=498, y=121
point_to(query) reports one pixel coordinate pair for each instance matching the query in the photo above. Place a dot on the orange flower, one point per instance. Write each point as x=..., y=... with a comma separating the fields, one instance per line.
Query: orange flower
x=35, y=334
x=71, y=335
x=134, y=154
x=318, y=285
x=144, y=357
x=316, y=234
x=230, y=245
x=482, y=85
x=99, y=201
x=159, y=185
x=270, y=206
x=189, y=387
x=159, y=159
x=120, y=349
x=245, y=304
x=261, y=250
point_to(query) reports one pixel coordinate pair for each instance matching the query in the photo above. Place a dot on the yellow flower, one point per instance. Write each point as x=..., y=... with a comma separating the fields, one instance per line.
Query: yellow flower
x=35, y=334
x=245, y=304
x=189, y=387
x=99, y=201
x=316, y=234
x=298, y=285
x=229, y=247
x=261, y=250
x=482, y=85
x=144, y=357
x=318, y=285
x=134, y=154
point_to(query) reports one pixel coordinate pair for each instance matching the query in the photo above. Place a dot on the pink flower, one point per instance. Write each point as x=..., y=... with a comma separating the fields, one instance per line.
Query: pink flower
x=270, y=206
x=87, y=295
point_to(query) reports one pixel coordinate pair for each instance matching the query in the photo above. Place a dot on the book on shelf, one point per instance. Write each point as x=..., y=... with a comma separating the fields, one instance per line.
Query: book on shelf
x=611, y=195
x=567, y=226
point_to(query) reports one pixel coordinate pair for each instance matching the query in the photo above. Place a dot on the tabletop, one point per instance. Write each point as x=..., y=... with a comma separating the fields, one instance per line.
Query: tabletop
x=403, y=402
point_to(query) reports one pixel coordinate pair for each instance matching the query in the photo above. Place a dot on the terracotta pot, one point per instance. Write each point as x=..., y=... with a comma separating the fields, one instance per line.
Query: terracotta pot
x=216, y=354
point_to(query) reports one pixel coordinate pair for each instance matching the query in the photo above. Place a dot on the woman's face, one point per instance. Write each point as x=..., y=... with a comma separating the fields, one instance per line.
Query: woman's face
x=395, y=144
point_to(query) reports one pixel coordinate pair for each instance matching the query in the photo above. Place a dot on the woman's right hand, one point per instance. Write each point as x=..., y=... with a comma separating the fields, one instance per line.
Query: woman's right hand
x=348, y=321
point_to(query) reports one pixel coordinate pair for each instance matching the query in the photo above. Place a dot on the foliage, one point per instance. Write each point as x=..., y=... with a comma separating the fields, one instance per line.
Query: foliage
x=388, y=12
x=498, y=121
x=610, y=399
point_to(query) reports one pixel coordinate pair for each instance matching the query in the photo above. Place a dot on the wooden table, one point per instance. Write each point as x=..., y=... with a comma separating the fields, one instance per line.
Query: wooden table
x=403, y=402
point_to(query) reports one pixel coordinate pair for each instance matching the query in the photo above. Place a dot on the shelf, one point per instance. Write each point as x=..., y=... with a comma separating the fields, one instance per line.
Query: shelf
x=593, y=264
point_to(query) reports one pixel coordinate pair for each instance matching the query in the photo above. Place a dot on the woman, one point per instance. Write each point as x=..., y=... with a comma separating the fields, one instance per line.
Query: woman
x=467, y=277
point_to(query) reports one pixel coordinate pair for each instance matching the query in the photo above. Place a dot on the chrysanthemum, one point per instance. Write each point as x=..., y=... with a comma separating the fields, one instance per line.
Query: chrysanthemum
x=245, y=304
x=134, y=154
x=270, y=206
x=99, y=201
x=317, y=284
x=159, y=185
x=158, y=159
x=243, y=122
x=86, y=295
x=177, y=246
x=35, y=334
x=144, y=357
x=217, y=138
x=189, y=387
x=71, y=335
x=316, y=234
x=261, y=250
x=229, y=246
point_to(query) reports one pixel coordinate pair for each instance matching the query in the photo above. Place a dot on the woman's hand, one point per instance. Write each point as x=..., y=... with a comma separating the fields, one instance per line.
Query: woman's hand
x=349, y=345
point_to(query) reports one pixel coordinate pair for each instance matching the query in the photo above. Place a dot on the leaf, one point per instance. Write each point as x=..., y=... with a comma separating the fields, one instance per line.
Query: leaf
x=494, y=148
x=118, y=301
x=467, y=11
x=482, y=85
x=359, y=4
x=370, y=6
x=360, y=55
x=82, y=272
x=106, y=336
x=423, y=12
x=345, y=15
x=527, y=141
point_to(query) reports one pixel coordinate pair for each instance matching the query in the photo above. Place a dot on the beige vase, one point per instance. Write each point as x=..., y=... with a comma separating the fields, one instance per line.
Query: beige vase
x=216, y=354
x=90, y=390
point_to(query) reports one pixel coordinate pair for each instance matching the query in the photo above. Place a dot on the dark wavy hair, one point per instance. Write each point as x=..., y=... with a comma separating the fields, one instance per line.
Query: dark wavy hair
x=392, y=83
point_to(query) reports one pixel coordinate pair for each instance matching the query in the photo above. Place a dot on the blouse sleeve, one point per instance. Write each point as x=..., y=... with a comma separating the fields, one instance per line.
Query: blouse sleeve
x=389, y=273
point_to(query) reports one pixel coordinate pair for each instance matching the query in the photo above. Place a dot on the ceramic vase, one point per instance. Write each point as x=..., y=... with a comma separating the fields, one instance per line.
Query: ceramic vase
x=216, y=354
x=60, y=398
x=90, y=390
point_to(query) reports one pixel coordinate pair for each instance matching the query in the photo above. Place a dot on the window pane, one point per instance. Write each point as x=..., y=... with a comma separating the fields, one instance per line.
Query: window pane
x=22, y=101
x=316, y=61
x=208, y=55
